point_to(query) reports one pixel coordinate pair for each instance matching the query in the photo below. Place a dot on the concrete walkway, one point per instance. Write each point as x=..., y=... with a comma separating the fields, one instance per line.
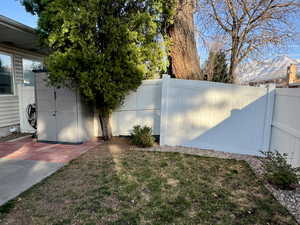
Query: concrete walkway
x=24, y=163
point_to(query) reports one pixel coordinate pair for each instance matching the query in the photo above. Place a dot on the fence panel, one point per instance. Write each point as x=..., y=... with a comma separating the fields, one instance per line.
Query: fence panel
x=209, y=115
x=140, y=108
x=218, y=116
x=286, y=124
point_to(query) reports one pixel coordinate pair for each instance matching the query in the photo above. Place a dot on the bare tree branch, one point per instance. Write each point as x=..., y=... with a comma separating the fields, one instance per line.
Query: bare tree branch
x=250, y=27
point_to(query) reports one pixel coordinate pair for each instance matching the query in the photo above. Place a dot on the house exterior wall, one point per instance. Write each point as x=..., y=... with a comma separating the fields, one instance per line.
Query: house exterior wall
x=9, y=104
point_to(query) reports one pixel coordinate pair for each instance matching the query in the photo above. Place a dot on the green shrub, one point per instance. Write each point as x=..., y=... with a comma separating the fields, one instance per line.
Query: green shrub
x=142, y=136
x=278, y=171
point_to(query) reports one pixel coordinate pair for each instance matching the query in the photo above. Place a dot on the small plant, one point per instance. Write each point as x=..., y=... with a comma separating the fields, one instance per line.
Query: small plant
x=142, y=136
x=278, y=171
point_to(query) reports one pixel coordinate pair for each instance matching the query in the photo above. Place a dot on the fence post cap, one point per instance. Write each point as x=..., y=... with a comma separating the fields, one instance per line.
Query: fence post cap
x=272, y=86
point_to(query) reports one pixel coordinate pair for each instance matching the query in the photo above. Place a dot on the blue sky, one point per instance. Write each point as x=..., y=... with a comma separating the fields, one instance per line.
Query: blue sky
x=14, y=10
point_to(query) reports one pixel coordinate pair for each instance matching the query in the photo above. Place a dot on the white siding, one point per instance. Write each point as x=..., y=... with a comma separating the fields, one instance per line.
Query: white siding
x=9, y=110
x=9, y=105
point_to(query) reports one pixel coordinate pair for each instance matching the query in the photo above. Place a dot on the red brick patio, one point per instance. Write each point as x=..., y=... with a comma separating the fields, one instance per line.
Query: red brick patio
x=29, y=149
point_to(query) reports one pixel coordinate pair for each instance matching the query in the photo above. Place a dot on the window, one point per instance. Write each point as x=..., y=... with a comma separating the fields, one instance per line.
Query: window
x=28, y=66
x=6, y=75
x=298, y=71
x=294, y=74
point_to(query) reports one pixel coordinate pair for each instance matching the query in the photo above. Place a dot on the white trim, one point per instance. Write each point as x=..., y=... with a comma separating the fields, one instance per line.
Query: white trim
x=16, y=25
x=21, y=52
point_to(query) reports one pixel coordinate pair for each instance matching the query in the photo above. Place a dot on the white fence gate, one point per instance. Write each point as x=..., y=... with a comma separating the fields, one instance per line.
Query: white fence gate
x=286, y=124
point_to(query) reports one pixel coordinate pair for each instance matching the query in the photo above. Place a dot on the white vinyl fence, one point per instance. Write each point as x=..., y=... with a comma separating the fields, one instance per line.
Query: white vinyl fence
x=286, y=124
x=218, y=116
x=140, y=108
x=208, y=115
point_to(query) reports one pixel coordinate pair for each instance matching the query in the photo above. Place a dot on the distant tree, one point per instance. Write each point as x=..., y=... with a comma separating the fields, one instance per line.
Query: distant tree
x=208, y=70
x=216, y=68
x=103, y=48
x=221, y=68
x=248, y=27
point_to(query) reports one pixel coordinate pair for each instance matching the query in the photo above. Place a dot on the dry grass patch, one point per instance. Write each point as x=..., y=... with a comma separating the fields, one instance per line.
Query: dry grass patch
x=112, y=185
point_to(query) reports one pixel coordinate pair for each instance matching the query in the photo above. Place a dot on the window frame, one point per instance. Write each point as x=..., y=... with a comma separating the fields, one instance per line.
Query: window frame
x=12, y=73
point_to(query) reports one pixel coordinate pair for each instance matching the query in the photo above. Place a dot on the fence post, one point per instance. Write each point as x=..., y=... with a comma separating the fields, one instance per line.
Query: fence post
x=269, y=116
x=164, y=108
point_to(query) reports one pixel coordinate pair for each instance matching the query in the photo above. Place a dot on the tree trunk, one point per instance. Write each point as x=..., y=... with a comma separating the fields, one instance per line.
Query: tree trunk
x=232, y=68
x=233, y=64
x=184, y=60
x=233, y=56
x=105, y=126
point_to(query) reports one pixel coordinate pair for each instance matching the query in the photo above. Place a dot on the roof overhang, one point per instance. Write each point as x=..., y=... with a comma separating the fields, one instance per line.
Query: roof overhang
x=15, y=34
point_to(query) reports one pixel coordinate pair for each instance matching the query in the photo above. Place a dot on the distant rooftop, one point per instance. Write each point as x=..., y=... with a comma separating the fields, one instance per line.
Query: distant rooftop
x=16, y=34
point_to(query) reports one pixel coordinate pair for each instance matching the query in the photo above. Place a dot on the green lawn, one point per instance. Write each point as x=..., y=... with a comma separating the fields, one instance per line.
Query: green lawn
x=112, y=185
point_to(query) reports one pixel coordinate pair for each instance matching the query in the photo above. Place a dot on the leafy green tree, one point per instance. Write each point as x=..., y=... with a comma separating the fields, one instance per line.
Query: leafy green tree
x=221, y=68
x=103, y=48
x=216, y=67
x=208, y=69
